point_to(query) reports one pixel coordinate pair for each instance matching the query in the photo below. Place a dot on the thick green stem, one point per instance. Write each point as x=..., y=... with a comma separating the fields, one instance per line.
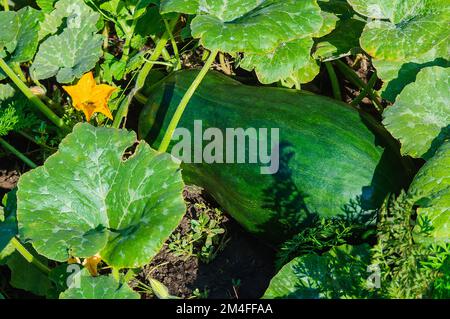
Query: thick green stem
x=29, y=257
x=334, y=81
x=31, y=97
x=142, y=76
x=5, y=5
x=17, y=153
x=184, y=102
x=365, y=91
x=350, y=75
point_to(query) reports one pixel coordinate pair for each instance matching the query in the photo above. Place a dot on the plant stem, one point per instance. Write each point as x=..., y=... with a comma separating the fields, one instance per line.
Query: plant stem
x=350, y=75
x=33, y=98
x=174, y=44
x=365, y=91
x=142, y=76
x=5, y=5
x=17, y=153
x=334, y=81
x=31, y=139
x=16, y=68
x=116, y=273
x=142, y=99
x=184, y=102
x=28, y=256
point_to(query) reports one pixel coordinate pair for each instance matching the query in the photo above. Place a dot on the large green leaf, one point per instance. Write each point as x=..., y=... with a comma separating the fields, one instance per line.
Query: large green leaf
x=420, y=117
x=281, y=63
x=26, y=41
x=403, y=29
x=251, y=26
x=396, y=75
x=87, y=199
x=431, y=189
x=102, y=287
x=19, y=35
x=68, y=55
x=73, y=52
x=340, y=273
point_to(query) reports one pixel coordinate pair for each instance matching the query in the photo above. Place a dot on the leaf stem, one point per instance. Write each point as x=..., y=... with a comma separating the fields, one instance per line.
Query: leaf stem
x=33, y=98
x=17, y=153
x=365, y=91
x=142, y=76
x=174, y=44
x=5, y=5
x=184, y=102
x=350, y=75
x=28, y=256
x=334, y=81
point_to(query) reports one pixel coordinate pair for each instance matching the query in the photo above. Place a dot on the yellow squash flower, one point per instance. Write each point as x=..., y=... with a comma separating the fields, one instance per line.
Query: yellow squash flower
x=89, y=97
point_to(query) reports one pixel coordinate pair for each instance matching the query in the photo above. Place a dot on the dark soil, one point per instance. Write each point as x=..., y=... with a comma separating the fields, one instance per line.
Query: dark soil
x=242, y=270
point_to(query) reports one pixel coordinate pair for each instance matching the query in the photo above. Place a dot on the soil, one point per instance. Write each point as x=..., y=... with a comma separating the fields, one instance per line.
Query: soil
x=243, y=269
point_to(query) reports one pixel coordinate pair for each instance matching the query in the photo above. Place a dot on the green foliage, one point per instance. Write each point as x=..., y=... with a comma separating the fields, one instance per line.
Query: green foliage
x=15, y=113
x=75, y=50
x=203, y=239
x=323, y=235
x=408, y=269
x=258, y=29
x=8, y=225
x=26, y=276
x=420, y=117
x=102, y=287
x=339, y=273
x=122, y=209
x=403, y=36
x=431, y=193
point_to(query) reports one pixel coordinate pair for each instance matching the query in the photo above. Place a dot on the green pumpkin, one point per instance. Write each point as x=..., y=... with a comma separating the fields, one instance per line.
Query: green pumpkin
x=334, y=161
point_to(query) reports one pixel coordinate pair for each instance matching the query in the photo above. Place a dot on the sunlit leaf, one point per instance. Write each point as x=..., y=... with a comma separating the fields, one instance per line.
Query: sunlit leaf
x=420, y=116
x=87, y=199
x=339, y=273
x=431, y=190
x=102, y=287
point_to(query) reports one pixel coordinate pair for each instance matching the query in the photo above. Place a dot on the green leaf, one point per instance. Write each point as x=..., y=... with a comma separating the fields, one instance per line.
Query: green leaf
x=397, y=75
x=19, y=34
x=247, y=25
x=431, y=190
x=279, y=64
x=72, y=14
x=26, y=276
x=9, y=24
x=341, y=41
x=68, y=55
x=87, y=199
x=46, y=5
x=340, y=273
x=414, y=27
x=305, y=74
x=75, y=50
x=420, y=116
x=102, y=287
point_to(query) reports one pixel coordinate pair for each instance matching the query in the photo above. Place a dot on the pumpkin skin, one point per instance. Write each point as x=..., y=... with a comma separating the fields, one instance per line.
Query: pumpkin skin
x=332, y=157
